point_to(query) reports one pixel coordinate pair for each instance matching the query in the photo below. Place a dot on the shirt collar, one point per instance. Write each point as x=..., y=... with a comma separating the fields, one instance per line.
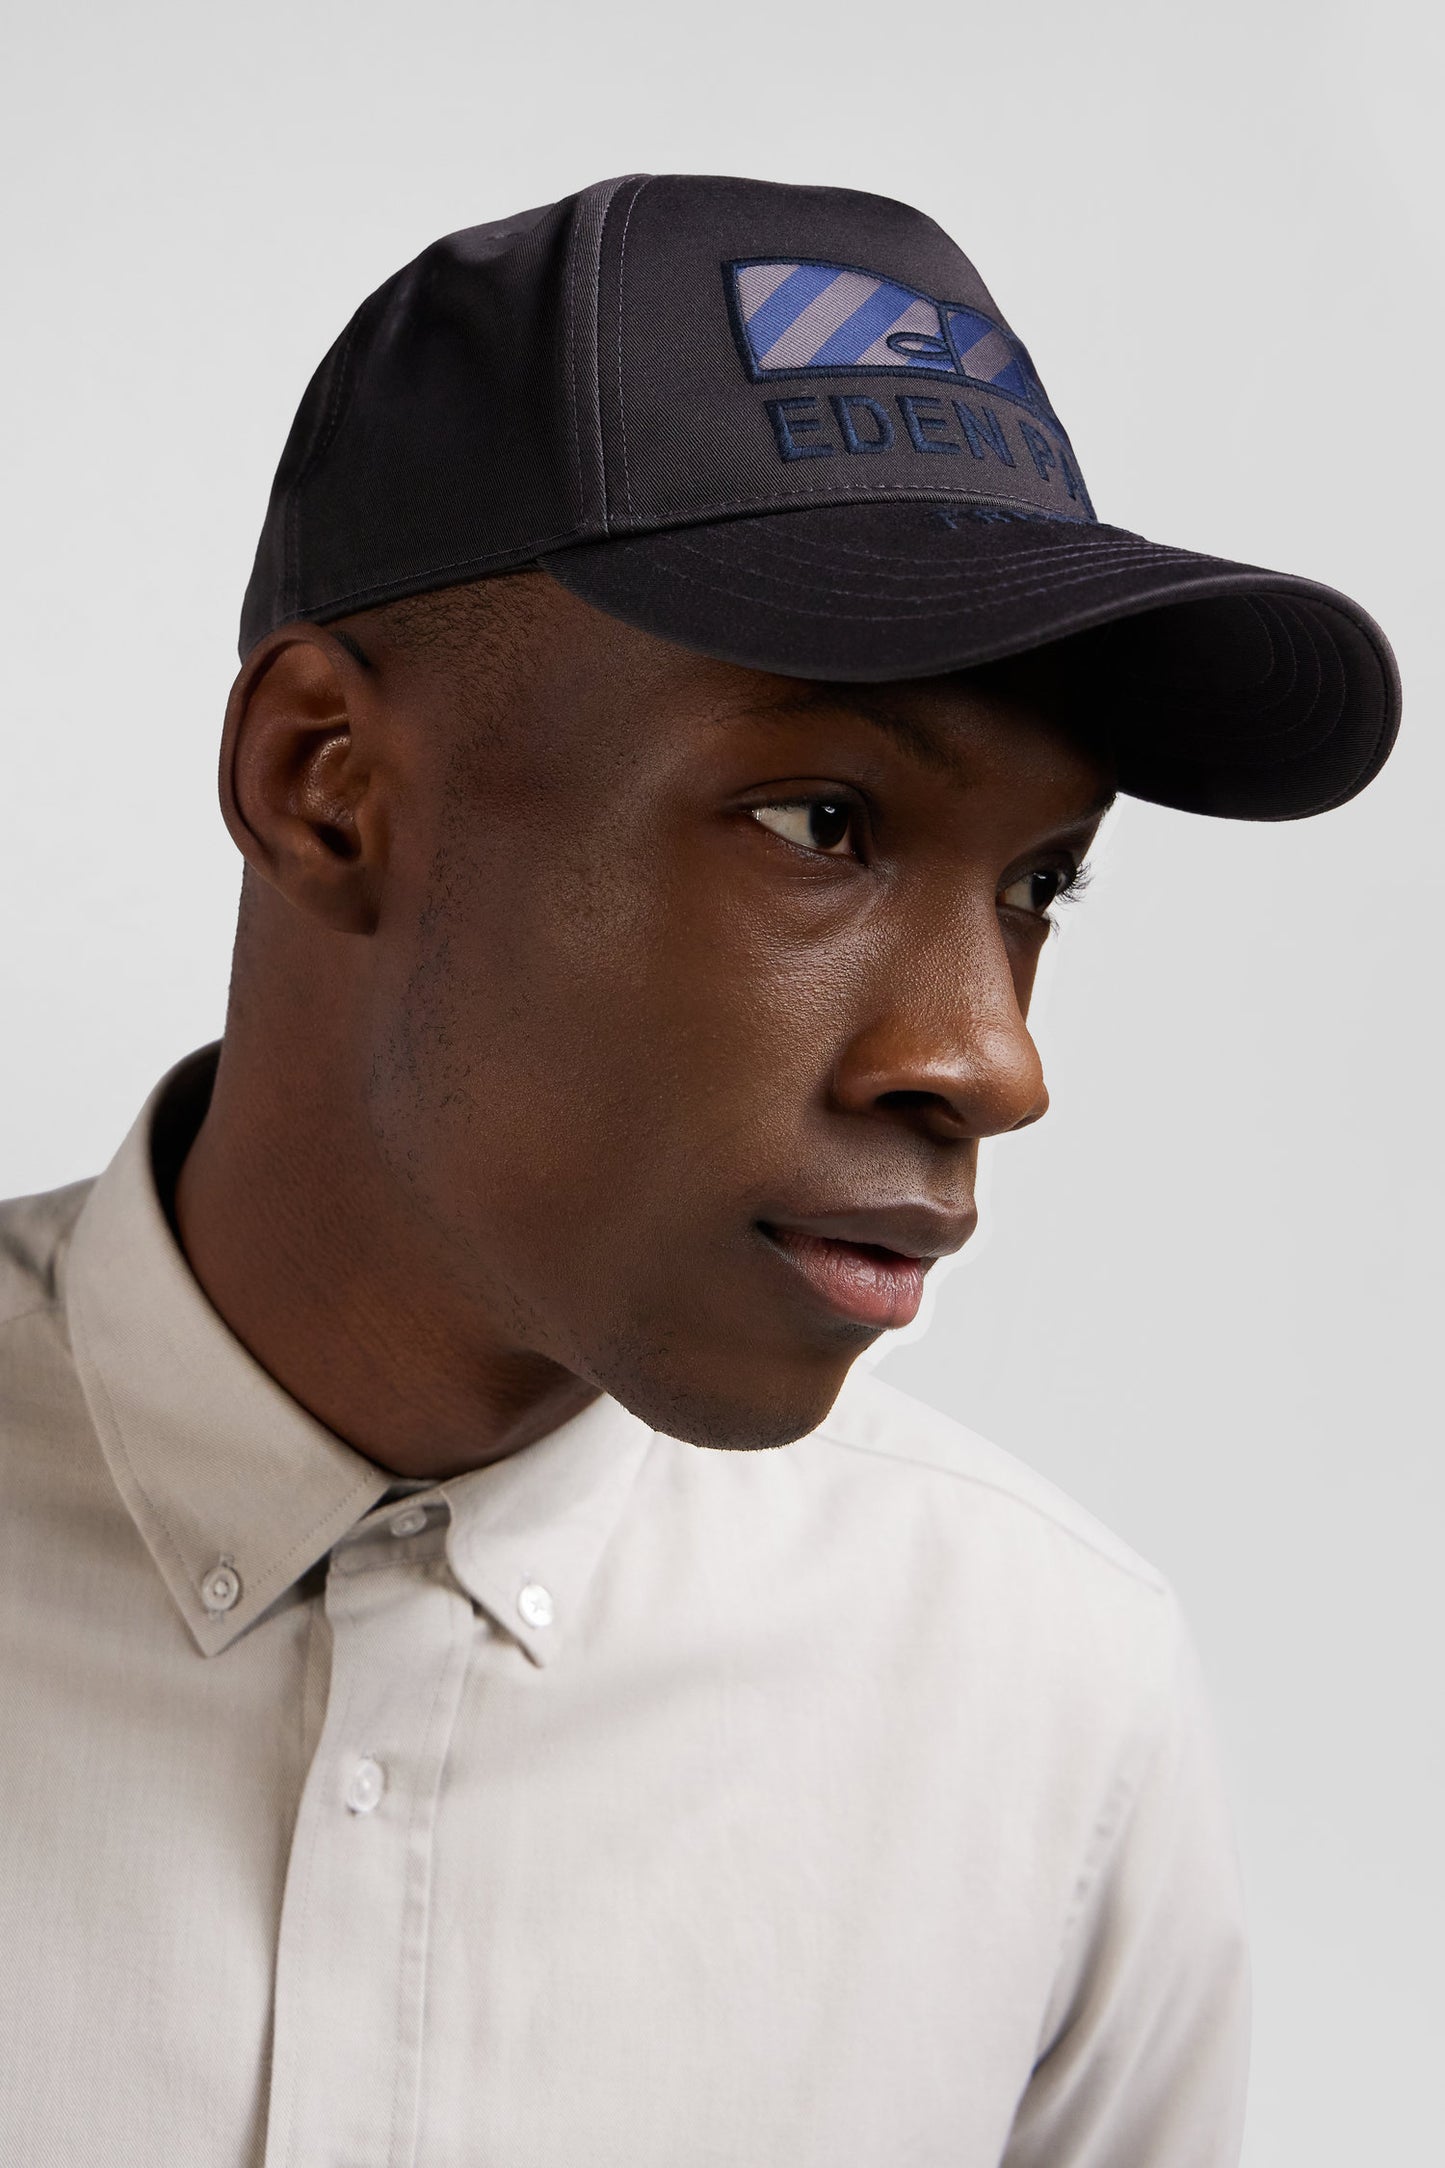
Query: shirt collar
x=527, y=1532
x=237, y=1491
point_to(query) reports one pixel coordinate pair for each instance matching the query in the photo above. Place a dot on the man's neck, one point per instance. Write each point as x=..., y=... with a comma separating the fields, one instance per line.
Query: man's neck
x=295, y=1234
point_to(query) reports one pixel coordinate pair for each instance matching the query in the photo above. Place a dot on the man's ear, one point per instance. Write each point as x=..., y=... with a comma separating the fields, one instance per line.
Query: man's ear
x=303, y=787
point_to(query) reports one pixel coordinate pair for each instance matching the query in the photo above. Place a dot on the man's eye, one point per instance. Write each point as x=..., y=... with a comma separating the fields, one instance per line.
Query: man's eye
x=817, y=824
x=1034, y=892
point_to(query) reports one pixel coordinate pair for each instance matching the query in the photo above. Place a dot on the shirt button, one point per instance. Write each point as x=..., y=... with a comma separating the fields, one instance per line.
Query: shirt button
x=221, y=1589
x=536, y=1605
x=410, y=1523
x=367, y=1783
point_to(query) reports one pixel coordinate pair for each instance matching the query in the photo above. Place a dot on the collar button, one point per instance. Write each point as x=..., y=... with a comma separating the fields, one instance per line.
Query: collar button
x=535, y=1604
x=221, y=1589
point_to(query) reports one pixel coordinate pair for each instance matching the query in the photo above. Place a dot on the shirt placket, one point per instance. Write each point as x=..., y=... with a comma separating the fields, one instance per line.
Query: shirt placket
x=352, y=1955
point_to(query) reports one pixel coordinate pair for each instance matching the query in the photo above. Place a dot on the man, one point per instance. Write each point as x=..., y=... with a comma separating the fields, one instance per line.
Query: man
x=681, y=674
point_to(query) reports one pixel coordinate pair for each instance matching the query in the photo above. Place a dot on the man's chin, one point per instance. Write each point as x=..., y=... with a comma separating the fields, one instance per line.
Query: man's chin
x=743, y=1415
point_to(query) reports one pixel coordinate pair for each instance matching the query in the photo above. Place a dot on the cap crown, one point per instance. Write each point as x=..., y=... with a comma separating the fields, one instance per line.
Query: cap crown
x=653, y=351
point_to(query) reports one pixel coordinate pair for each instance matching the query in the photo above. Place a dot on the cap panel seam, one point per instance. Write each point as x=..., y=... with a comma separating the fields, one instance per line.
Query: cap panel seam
x=290, y=597
x=621, y=320
x=584, y=259
x=570, y=334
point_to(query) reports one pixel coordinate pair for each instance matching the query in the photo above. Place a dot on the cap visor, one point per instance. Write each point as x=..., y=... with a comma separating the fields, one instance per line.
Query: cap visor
x=1227, y=689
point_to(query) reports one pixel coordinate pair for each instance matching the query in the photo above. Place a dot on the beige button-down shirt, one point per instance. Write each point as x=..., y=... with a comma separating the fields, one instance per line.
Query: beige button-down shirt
x=620, y=1805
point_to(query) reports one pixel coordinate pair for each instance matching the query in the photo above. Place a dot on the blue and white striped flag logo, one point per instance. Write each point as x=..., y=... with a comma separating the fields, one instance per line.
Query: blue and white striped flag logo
x=812, y=319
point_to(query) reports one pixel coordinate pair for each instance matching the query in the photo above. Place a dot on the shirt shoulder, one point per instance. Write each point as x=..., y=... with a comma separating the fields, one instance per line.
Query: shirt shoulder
x=996, y=1557
x=52, y=1476
x=875, y=1418
x=34, y=1232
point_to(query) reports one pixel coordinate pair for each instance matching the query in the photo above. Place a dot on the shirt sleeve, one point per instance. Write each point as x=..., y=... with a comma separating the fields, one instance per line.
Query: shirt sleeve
x=1146, y=2048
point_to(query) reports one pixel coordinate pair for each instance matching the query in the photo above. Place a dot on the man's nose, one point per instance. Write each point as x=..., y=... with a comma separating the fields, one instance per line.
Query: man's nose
x=948, y=1051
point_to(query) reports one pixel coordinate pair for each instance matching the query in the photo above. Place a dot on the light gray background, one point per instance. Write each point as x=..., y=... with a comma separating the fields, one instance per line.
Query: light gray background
x=1208, y=1284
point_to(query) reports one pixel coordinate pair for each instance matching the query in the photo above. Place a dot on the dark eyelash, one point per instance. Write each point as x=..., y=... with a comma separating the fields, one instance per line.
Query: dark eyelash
x=1075, y=885
x=1071, y=891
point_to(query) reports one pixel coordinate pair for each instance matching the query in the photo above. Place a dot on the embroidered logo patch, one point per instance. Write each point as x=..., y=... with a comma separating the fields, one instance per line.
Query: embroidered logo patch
x=795, y=318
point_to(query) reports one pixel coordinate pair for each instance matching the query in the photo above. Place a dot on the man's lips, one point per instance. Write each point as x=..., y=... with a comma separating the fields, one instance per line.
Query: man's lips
x=869, y=1266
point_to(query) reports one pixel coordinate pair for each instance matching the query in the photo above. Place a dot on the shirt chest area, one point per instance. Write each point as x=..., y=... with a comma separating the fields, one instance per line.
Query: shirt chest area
x=387, y=1891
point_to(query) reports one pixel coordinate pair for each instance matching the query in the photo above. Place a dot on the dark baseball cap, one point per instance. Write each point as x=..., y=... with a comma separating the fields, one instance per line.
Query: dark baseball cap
x=789, y=427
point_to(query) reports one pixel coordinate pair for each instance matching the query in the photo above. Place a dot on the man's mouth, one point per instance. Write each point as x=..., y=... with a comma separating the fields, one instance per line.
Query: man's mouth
x=858, y=1280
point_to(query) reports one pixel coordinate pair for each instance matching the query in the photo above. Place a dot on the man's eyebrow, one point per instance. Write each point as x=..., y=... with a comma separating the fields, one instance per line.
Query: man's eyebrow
x=934, y=747
x=927, y=745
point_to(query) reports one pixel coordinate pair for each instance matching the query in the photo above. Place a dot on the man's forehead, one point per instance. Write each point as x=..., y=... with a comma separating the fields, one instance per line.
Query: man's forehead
x=576, y=669
x=957, y=726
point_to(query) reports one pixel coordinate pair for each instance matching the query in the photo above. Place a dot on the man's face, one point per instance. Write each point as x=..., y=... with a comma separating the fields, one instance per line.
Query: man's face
x=693, y=993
